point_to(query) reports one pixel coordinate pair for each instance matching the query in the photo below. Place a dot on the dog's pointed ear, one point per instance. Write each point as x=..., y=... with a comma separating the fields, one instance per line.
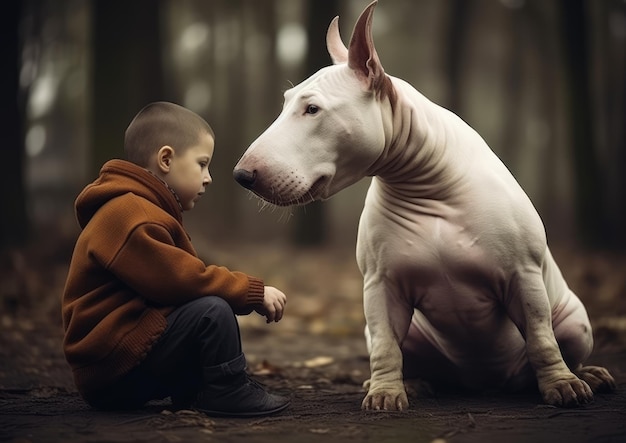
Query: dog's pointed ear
x=362, y=56
x=337, y=50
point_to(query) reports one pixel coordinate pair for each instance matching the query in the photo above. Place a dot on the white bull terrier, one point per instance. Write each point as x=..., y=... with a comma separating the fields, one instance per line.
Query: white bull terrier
x=460, y=287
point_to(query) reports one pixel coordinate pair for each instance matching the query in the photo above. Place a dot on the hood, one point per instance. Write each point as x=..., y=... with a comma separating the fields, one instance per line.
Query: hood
x=119, y=177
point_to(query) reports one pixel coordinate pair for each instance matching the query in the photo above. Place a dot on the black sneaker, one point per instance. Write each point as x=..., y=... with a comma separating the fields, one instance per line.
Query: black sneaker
x=183, y=400
x=239, y=396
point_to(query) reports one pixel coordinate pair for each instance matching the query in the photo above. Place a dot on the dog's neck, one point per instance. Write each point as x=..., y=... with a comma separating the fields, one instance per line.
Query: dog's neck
x=417, y=162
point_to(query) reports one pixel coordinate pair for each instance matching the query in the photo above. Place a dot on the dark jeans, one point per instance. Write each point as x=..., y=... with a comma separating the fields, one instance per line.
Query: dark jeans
x=201, y=344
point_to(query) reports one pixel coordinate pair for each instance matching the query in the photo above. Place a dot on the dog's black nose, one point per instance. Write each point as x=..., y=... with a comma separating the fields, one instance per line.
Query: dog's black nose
x=245, y=178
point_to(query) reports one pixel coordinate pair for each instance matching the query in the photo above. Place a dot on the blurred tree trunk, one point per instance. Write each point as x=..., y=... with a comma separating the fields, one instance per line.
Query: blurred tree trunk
x=616, y=91
x=455, y=38
x=589, y=195
x=231, y=101
x=310, y=224
x=610, y=89
x=510, y=149
x=127, y=70
x=14, y=229
x=531, y=24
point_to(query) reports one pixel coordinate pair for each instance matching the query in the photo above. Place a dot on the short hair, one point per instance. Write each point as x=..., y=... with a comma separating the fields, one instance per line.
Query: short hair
x=159, y=124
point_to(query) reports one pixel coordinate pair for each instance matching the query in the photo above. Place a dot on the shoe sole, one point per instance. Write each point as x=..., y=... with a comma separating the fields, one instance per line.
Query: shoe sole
x=243, y=414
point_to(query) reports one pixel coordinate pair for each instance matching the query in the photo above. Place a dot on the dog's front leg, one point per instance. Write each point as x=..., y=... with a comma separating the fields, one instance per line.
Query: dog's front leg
x=530, y=308
x=388, y=321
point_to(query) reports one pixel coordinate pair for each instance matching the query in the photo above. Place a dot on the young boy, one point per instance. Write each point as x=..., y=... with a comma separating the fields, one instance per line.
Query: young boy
x=144, y=317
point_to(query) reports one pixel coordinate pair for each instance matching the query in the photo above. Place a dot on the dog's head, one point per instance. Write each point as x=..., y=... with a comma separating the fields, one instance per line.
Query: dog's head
x=330, y=130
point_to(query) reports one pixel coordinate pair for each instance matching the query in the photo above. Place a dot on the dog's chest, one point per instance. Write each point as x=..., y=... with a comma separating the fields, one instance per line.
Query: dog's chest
x=440, y=240
x=440, y=260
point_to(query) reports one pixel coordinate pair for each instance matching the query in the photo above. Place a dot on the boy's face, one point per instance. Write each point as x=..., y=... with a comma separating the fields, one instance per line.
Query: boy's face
x=188, y=171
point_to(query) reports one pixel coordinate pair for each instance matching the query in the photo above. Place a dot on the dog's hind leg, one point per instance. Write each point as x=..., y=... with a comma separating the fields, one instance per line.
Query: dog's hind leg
x=422, y=360
x=597, y=377
x=572, y=331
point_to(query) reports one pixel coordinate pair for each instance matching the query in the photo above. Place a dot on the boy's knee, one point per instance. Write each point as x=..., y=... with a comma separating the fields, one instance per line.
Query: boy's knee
x=203, y=311
x=214, y=307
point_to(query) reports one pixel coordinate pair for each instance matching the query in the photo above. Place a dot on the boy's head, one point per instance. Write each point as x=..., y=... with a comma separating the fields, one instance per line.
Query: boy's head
x=175, y=144
x=160, y=124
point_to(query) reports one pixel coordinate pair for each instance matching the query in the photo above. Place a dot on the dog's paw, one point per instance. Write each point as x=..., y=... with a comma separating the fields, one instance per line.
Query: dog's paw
x=568, y=392
x=386, y=399
x=598, y=378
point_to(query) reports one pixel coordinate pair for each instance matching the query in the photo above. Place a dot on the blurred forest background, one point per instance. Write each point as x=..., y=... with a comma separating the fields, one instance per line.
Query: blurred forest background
x=543, y=81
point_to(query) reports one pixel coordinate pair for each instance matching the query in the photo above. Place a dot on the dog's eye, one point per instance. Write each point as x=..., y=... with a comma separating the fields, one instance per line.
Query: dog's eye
x=312, y=109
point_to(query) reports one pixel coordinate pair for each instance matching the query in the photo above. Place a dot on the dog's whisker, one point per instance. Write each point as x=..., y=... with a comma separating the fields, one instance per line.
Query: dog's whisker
x=285, y=213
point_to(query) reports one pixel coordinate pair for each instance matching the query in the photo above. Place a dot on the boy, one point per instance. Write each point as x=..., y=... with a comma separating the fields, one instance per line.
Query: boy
x=144, y=317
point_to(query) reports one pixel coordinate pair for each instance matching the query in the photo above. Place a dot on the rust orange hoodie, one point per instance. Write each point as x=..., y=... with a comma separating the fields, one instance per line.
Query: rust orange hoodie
x=132, y=265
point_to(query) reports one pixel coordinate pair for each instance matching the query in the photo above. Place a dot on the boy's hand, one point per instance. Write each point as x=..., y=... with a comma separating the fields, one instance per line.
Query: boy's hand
x=273, y=304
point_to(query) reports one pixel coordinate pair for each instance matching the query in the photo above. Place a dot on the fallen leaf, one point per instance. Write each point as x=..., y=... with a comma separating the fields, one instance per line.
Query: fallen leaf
x=266, y=368
x=319, y=430
x=318, y=361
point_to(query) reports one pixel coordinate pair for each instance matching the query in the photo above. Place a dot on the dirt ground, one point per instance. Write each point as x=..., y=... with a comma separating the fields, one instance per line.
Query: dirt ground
x=316, y=355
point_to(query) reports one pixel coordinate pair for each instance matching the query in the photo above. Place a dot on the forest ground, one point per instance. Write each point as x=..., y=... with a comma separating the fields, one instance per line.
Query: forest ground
x=316, y=355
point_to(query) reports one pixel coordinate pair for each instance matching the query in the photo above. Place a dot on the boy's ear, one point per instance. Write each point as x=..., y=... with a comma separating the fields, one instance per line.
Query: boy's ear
x=164, y=158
